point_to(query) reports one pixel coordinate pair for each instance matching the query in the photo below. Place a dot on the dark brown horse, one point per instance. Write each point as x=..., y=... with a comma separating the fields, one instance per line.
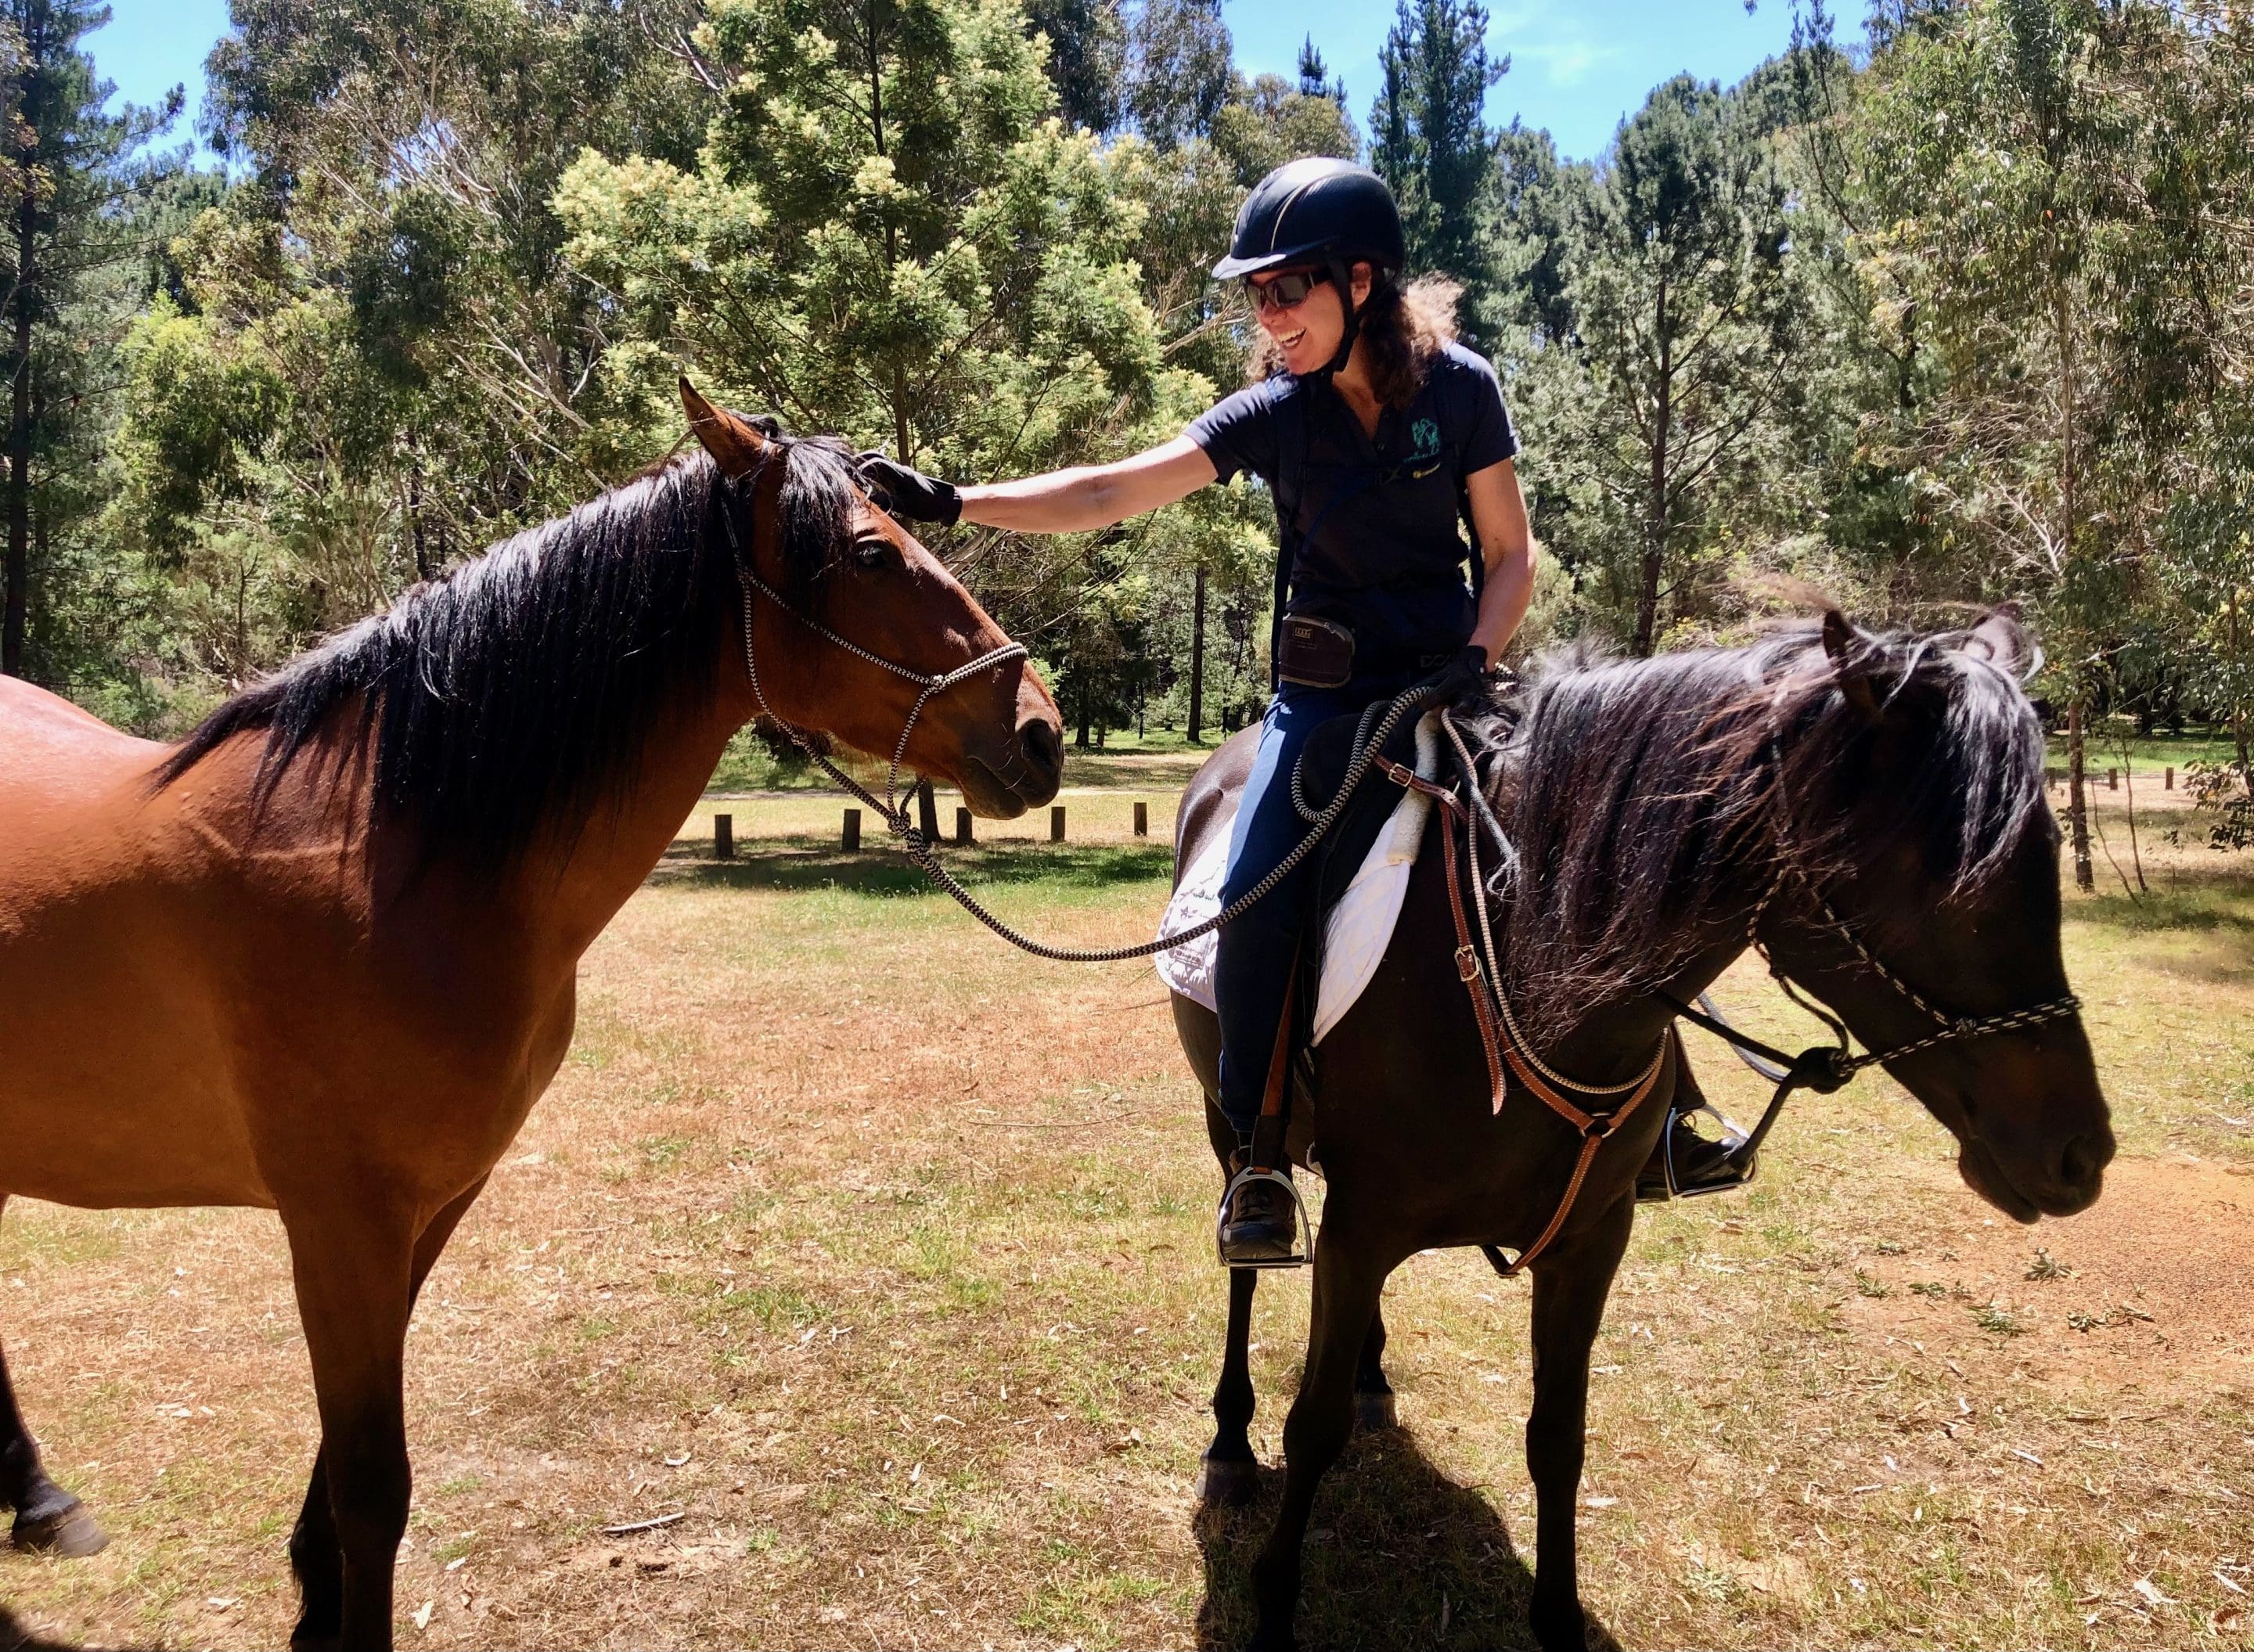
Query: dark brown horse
x=1822, y=792
x=320, y=958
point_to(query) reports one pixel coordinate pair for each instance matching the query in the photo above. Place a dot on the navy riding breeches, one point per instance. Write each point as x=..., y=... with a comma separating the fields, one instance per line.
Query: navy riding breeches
x=1252, y=974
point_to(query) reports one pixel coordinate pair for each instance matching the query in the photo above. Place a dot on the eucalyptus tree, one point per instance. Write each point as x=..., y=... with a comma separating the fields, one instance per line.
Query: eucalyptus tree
x=2005, y=141
x=1663, y=403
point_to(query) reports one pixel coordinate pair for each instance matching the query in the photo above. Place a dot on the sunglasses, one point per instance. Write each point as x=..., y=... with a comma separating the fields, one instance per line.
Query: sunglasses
x=1286, y=292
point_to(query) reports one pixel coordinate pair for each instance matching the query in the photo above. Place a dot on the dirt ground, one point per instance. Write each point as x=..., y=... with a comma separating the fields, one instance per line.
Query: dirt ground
x=872, y=1260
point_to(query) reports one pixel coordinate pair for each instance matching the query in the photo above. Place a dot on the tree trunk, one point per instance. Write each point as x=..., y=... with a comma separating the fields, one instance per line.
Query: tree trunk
x=2077, y=800
x=1655, y=528
x=2238, y=726
x=16, y=575
x=1197, y=662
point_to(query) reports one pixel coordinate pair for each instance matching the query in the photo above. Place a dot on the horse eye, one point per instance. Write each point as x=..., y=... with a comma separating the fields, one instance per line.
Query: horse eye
x=870, y=553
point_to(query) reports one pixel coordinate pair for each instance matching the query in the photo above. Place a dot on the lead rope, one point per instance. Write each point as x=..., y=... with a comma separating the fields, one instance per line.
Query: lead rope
x=918, y=848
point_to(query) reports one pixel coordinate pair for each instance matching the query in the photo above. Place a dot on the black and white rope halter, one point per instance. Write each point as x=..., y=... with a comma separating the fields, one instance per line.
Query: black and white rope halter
x=920, y=849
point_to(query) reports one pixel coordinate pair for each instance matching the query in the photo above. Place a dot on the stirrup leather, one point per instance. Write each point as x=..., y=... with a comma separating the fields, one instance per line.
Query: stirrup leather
x=1299, y=1257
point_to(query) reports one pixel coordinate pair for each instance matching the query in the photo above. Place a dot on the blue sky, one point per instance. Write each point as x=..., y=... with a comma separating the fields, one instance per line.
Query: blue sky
x=1576, y=69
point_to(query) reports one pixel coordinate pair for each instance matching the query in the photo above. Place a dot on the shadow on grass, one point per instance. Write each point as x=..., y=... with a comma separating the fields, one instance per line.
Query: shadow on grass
x=1394, y=1542
x=16, y=1636
x=2217, y=901
x=879, y=868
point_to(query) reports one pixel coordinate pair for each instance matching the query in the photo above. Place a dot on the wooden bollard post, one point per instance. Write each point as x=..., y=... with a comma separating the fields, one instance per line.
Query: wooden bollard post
x=2112, y=780
x=1056, y=824
x=1142, y=820
x=962, y=825
x=852, y=829
x=2169, y=785
x=927, y=811
x=724, y=837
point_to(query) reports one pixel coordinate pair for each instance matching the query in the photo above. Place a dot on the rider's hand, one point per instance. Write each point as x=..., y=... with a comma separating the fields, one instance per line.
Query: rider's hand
x=908, y=495
x=1467, y=674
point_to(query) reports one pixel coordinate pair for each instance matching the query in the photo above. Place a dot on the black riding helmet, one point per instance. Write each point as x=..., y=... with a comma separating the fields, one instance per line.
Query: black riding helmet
x=1318, y=211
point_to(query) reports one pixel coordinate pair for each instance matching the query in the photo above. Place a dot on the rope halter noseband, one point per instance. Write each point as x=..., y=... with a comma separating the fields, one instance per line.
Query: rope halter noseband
x=893, y=811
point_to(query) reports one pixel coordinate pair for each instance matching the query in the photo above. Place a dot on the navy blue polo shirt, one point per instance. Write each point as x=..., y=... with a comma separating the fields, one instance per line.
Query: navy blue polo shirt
x=1380, y=548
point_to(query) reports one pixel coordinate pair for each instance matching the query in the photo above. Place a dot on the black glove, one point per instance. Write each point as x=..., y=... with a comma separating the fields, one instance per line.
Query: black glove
x=1465, y=674
x=908, y=495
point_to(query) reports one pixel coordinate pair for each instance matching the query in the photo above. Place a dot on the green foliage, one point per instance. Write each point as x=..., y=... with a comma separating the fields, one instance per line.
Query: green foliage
x=1674, y=324
x=1429, y=137
x=1960, y=316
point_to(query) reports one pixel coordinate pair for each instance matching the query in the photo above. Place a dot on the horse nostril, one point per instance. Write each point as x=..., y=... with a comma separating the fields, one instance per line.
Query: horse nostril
x=2081, y=1158
x=1043, y=746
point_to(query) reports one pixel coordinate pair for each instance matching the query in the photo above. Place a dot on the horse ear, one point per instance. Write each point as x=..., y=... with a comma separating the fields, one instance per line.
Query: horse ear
x=735, y=446
x=1854, y=678
x=2001, y=639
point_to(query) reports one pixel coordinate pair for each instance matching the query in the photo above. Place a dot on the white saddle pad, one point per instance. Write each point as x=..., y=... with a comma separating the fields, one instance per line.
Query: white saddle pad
x=1360, y=926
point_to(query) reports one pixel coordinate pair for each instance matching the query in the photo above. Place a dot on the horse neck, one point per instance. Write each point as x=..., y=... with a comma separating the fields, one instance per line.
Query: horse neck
x=573, y=883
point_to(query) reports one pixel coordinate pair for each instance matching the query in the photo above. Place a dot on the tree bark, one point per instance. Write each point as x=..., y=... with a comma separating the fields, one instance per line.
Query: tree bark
x=1655, y=530
x=1197, y=662
x=2077, y=800
x=16, y=573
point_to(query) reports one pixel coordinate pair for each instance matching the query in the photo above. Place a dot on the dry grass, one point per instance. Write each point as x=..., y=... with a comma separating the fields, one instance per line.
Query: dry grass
x=879, y=1253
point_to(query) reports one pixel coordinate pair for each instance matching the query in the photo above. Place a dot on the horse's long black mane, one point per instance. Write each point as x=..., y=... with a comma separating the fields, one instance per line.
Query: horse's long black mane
x=1648, y=800
x=515, y=693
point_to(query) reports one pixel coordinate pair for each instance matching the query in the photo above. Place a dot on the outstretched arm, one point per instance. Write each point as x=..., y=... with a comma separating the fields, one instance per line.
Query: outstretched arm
x=1090, y=496
x=1506, y=542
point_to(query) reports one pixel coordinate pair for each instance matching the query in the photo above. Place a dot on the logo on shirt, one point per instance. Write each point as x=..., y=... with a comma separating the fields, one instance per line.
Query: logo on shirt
x=1424, y=440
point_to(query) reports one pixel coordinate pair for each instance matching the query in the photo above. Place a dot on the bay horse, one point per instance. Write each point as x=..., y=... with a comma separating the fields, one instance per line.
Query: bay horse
x=320, y=958
x=1867, y=809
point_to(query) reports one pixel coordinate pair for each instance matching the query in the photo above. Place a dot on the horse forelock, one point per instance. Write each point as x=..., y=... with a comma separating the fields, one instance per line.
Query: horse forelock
x=513, y=693
x=1649, y=800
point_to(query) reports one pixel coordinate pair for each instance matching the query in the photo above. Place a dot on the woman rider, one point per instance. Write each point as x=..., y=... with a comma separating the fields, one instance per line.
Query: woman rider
x=1377, y=433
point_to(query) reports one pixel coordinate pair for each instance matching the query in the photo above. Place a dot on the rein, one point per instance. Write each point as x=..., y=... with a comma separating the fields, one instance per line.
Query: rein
x=1823, y=1069
x=1826, y=1067
x=920, y=849
x=1508, y=1052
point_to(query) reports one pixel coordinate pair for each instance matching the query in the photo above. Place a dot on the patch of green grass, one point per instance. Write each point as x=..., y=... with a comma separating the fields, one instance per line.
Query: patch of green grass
x=662, y=1152
x=1998, y=1320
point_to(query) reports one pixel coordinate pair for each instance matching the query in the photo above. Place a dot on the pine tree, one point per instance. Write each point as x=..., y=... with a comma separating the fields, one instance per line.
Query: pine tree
x=1315, y=78
x=68, y=169
x=1430, y=139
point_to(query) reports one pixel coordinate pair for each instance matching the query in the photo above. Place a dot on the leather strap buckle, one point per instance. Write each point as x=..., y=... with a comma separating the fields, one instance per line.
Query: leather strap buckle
x=1468, y=964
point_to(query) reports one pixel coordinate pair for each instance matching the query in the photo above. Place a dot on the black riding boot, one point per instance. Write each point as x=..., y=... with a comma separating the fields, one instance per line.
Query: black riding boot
x=1260, y=1221
x=1701, y=1164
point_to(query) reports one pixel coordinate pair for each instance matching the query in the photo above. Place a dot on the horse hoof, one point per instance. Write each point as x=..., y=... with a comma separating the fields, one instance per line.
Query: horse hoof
x=70, y=1533
x=1560, y=1628
x=1375, y=1411
x=1227, y=1484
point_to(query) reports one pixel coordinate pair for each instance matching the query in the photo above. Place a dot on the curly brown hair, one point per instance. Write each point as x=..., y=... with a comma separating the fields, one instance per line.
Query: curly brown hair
x=1404, y=326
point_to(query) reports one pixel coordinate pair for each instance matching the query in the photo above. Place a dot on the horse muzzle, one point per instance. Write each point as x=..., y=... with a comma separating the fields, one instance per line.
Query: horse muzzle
x=1003, y=784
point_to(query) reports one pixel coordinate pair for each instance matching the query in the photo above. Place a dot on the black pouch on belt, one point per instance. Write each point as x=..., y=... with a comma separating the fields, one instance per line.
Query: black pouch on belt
x=1315, y=654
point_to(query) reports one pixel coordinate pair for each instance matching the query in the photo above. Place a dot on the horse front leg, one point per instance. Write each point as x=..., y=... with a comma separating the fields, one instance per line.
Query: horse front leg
x=48, y=1519
x=1231, y=1473
x=354, y=1271
x=316, y=1556
x=1348, y=1279
x=1570, y=1288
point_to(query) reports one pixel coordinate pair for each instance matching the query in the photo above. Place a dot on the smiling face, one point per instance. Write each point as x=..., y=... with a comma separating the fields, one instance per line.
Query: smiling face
x=1305, y=333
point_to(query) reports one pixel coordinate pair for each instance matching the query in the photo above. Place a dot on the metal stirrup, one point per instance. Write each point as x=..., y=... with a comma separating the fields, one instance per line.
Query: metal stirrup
x=1299, y=1258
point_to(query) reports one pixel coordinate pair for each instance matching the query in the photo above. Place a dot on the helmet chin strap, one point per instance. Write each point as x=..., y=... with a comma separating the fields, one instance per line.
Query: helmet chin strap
x=1341, y=275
